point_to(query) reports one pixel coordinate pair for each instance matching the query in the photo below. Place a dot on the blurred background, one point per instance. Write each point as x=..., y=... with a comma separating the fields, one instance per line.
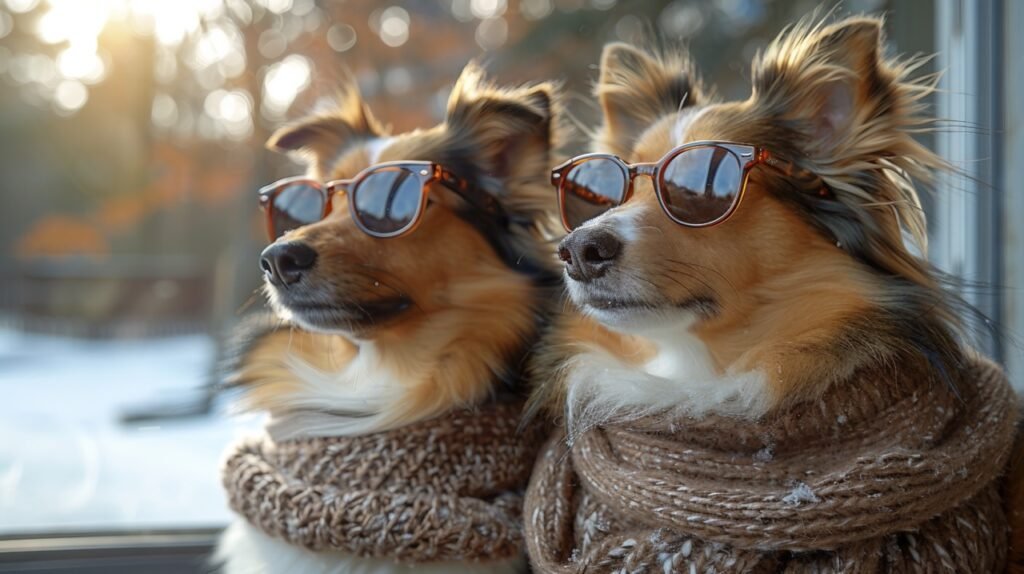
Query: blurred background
x=131, y=149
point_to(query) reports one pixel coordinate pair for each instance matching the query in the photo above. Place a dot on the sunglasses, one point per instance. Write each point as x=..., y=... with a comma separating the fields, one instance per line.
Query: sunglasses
x=698, y=184
x=385, y=200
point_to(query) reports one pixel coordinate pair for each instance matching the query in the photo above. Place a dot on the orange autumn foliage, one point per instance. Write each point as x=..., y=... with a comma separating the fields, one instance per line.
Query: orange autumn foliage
x=63, y=236
x=122, y=213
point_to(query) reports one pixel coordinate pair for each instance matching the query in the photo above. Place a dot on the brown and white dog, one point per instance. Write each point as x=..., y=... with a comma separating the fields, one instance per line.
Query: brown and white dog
x=797, y=290
x=381, y=333
x=751, y=314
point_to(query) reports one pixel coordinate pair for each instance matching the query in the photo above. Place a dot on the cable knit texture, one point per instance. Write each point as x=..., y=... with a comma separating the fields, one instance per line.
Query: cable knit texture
x=885, y=473
x=444, y=489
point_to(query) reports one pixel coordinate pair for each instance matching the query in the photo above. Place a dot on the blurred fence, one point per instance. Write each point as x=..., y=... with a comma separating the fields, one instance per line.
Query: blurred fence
x=123, y=297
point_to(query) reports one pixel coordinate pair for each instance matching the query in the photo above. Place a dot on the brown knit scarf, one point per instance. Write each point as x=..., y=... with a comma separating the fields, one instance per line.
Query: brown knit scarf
x=884, y=473
x=439, y=490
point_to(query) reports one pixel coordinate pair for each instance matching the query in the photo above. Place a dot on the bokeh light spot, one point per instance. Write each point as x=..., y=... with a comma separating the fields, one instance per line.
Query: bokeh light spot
x=284, y=81
x=462, y=11
x=272, y=44
x=341, y=37
x=484, y=9
x=21, y=6
x=70, y=96
x=277, y=6
x=681, y=19
x=629, y=28
x=398, y=80
x=536, y=9
x=164, y=113
x=492, y=33
x=81, y=64
x=394, y=26
x=6, y=24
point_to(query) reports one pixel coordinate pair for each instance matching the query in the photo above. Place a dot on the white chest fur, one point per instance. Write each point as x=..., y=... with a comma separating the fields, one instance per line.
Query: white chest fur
x=363, y=395
x=680, y=378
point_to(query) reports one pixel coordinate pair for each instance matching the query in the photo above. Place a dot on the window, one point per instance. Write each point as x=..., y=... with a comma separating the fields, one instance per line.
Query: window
x=974, y=233
x=132, y=149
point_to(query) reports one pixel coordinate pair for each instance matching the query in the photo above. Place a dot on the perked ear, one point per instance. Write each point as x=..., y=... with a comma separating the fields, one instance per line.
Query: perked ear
x=510, y=129
x=827, y=82
x=841, y=108
x=324, y=135
x=637, y=88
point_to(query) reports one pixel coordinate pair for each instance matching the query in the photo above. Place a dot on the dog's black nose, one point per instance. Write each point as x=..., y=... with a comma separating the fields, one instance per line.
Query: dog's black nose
x=589, y=252
x=284, y=263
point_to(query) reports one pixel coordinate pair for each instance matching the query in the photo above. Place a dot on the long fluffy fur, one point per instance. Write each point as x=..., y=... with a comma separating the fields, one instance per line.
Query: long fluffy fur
x=637, y=88
x=873, y=169
x=471, y=291
x=483, y=116
x=826, y=97
x=500, y=139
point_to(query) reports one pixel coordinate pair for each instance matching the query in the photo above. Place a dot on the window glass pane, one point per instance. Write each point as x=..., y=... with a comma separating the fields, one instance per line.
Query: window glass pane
x=70, y=461
x=132, y=146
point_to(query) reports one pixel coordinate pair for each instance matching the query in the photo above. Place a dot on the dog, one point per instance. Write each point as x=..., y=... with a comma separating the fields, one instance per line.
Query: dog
x=376, y=330
x=791, y=263
x=748, y=312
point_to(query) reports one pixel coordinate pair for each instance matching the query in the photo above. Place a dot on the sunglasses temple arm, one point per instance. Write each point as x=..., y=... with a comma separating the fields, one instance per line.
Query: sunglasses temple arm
x=791, y=170
x=477, y=198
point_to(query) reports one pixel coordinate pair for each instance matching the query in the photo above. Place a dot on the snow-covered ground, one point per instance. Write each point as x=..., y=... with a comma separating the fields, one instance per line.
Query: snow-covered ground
x=66, y=463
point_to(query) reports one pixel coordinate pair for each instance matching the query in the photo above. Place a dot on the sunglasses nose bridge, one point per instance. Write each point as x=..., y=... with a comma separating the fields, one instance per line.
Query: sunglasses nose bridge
x=335, y=187
x=644, y=169
x=647, y=170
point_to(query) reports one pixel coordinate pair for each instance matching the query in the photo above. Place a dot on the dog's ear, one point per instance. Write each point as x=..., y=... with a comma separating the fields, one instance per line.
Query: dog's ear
x=637, y=88
x=508, y=131
x=828, y=83
x=325, y=134
x=833, y=102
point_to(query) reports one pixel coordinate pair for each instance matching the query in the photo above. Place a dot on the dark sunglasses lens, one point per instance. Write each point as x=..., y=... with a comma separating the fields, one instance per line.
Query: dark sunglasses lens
x=388, y=200
x=591, y=188
x=700, y=185
x=296, y=205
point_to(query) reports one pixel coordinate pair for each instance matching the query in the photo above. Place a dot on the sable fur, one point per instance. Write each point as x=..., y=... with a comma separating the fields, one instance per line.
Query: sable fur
x=802, y=288
x=638, y=88
x=795, y=289
x=474, y=293
x=799, y=289
x=381, y=333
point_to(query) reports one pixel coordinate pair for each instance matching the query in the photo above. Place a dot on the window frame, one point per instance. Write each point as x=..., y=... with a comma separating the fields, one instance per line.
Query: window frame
x=110, y=551
x=968, y=239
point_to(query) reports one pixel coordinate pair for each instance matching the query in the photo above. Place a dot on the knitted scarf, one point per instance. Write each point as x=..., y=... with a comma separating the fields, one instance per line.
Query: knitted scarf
x=894, y=473
x=439, y=490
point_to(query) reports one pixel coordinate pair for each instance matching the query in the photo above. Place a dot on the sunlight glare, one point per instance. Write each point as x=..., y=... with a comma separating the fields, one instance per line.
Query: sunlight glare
x=81, y=64
x=172, y=22
x=284, y=81
x=21, y=6
x=74, y=21
x=220, y=45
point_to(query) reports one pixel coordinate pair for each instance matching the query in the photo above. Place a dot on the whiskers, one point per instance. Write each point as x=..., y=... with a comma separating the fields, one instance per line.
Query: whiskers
x=671, y=285
x=681, y=267
x=248, y=303
x=382, y=278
